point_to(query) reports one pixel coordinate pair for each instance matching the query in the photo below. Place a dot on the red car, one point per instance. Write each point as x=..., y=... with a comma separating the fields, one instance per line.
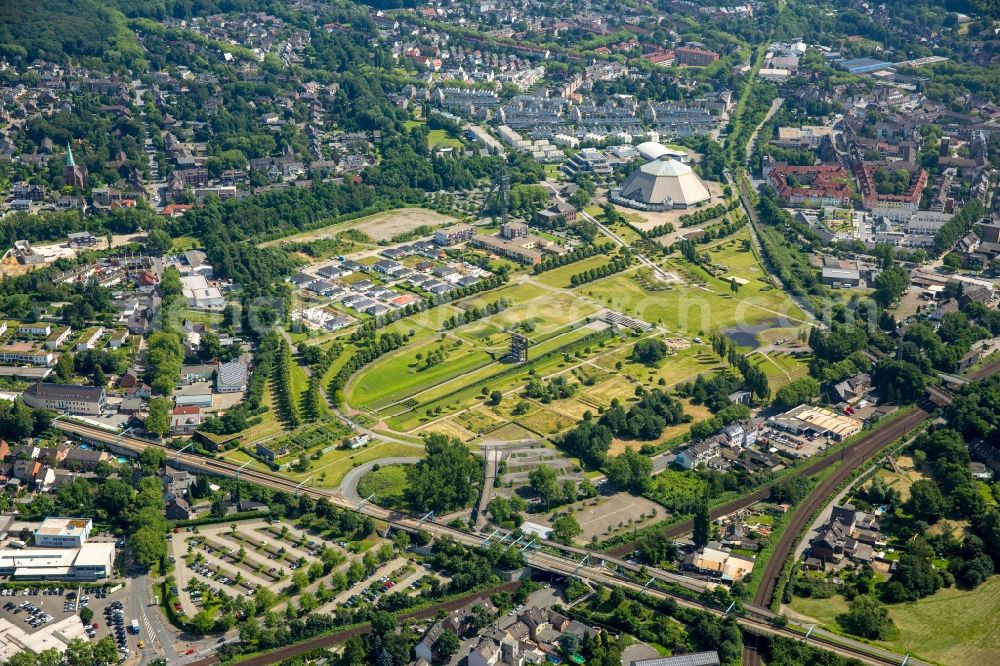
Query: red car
x=191, y=651
x=97, y=626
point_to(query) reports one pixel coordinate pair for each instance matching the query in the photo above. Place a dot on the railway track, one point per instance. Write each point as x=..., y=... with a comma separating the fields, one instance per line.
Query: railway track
x=757, y=619
x=856, y=456
x=862, y=451
x=876, y=438
x=883, y=435
x=329, y=640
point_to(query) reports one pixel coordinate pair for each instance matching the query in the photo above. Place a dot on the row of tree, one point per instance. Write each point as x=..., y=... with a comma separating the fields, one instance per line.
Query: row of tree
x=286, y=401
x=616, y=265
x=554, y=261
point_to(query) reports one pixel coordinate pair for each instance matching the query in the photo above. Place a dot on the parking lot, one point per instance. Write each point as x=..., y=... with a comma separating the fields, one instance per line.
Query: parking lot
x=793, y=446
x=41, y=610
x=238, y=558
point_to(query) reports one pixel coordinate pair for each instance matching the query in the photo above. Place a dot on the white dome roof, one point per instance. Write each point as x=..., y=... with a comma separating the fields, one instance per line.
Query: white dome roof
x=651, y=150
x=665, y=167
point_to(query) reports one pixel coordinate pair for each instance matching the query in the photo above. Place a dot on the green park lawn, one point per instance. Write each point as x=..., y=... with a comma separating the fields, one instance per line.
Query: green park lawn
x=780, y=370
x=682, y=366
x=388, y=484
x=520, y=292
x=560, y=277
x=333, y=466
x=691, y=311
x=465, y=390
x=954, y=627
x=547, y=313
x=400, y=375
x=184, y=243
x=439, y=137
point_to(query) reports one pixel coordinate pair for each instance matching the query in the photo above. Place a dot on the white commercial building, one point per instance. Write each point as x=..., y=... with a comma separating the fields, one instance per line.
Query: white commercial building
x=200, y=294
x=63, y=532
x=91, y=561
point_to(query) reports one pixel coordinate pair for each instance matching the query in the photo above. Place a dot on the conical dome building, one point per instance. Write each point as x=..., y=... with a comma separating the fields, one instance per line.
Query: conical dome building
x=662, y=184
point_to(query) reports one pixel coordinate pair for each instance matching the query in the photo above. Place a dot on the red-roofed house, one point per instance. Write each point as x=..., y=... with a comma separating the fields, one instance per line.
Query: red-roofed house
x=185, y=419
x=175, y=210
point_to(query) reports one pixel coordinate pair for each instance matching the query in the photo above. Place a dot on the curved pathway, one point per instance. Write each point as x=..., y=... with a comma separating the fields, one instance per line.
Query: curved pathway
x=349, y=486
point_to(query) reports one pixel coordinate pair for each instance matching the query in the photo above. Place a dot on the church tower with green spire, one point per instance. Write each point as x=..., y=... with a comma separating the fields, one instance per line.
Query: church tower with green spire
x=73, y=175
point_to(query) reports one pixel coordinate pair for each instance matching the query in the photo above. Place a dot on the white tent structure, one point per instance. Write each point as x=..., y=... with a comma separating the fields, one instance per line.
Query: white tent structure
x=662, y=184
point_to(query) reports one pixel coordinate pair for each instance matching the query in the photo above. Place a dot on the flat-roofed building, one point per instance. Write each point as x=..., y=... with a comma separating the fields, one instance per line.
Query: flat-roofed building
x=24, y=353
x=91, y=561
x=809, y=420
x=840, y=277
x=807, y=136
x=57, y=337
x=456, y=233
x=63, y=532
x=525, y=249
x=200, y=294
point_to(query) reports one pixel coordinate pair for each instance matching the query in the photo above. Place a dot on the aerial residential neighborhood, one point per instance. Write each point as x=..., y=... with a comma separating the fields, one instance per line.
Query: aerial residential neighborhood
x=477, y=333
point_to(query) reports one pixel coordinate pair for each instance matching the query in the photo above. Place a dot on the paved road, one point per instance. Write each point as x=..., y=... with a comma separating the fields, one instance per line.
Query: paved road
x=775, y=105
x=153, y=628
x=492, y=462
x=567, y=563
x=349, y=486
x=665, y=276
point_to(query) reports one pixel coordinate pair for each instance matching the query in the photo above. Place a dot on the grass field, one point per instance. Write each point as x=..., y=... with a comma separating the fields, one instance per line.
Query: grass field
x=380, y=226
x=439, y=137
x=464, y=390
x=546, y=313
x=683, y=366
x=402, y=375
x=690, y=311
x=515, y=293
x=902, y=480
x=953, y=627
x=780, y=370
x=559, y=277
x=184, y=243
x=697, y=311
x=330, y=469
x=388, y=485
x=398, y=376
